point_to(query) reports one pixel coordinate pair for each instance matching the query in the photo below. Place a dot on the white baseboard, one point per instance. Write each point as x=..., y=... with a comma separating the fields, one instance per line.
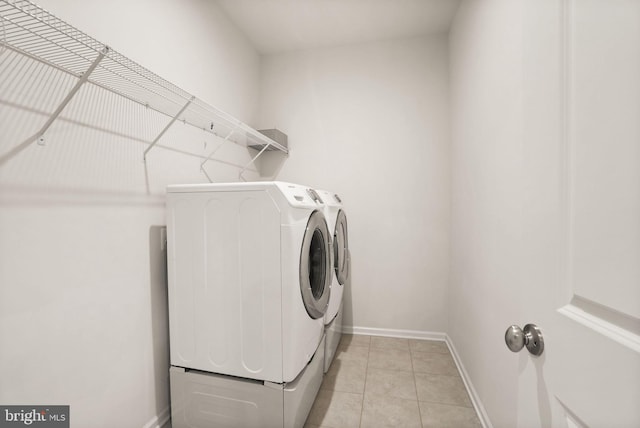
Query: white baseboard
x=386, y=332
x=430, y=335
x=473, y=395
x=161, y=420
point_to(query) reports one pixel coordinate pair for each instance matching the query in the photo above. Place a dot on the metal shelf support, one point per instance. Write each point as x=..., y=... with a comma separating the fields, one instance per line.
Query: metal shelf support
x=224, y=140
x=244, y=168
x=83, y=79
x=166, y=128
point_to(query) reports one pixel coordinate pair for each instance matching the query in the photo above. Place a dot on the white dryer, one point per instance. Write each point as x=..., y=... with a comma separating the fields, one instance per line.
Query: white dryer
x=249, y=273
x=337, y=221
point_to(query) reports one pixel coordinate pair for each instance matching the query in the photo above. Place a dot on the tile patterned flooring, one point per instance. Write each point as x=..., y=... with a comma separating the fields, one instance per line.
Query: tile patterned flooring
x=382, y=382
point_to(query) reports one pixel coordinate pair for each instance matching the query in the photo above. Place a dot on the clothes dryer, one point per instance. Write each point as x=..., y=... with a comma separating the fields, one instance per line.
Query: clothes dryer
x=249, y=273
x=337, y=221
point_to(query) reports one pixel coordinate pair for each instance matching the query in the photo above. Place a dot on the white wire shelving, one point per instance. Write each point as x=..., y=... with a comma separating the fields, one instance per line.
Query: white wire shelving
x=30, y=30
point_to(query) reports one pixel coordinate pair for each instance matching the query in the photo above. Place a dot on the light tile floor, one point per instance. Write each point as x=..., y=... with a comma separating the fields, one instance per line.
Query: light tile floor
x=382, y=382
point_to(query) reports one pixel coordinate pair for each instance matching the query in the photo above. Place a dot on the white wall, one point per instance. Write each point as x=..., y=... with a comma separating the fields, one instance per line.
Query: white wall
x=83, y=295
x=190, y=43
x=486, y=96
x=370, y=122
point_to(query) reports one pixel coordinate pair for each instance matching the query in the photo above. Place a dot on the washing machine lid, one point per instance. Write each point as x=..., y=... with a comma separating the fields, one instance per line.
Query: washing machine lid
x=315, y=266
x=341, y=248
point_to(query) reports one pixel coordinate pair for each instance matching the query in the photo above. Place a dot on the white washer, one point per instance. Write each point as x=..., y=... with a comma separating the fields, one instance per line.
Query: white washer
x=249, y=275
x=337, y=221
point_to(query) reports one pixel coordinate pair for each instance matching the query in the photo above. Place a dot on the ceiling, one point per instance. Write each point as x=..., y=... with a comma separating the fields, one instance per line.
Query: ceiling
x=275, y=26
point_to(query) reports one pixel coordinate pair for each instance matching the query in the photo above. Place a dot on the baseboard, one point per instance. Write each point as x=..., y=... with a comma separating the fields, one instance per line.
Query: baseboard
x=473, y=395
x=161, y=420
x=430, y=335
x=387, y=332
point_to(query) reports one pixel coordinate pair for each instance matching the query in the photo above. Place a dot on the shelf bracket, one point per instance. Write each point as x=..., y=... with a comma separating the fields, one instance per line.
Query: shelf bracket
x=85, y=76
x=204, y=171
x=253, y=160
x=166, y=128
x=224, y=140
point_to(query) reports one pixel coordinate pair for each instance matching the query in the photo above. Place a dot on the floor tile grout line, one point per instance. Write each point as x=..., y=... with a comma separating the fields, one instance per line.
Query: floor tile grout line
x=446, y=404
x=440, y=374
x=364, y=389
x=442, y=403
x=415, y=386
x=392, y=370
x=417, y=401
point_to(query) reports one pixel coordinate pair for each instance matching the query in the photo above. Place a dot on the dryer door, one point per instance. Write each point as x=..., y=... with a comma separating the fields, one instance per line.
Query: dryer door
x=340, y=248
x=315, y=266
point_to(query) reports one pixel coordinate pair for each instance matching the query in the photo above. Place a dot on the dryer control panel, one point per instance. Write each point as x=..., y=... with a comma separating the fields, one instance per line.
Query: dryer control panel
x=329, y=198
x=300, y=196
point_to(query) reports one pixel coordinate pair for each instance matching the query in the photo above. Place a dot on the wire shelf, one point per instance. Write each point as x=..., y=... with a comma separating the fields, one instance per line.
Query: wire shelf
x=32, y=31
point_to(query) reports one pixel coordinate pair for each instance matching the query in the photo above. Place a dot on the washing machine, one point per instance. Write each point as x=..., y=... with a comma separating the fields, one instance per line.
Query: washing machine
x=249, y=272
x=337, y=221
x=249, y=275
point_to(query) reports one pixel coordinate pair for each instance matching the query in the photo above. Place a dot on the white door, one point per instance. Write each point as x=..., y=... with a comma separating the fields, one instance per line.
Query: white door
x=581, y=162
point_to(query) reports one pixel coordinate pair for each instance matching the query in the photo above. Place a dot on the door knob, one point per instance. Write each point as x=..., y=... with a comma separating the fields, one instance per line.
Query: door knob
x=531, y=337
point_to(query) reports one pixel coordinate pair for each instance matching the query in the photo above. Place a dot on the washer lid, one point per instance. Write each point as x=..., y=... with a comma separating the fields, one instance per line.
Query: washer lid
x=340, y=248
x=315, y=266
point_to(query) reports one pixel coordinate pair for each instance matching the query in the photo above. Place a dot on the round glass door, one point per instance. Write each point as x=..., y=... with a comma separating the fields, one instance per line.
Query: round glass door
x=315, y=266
